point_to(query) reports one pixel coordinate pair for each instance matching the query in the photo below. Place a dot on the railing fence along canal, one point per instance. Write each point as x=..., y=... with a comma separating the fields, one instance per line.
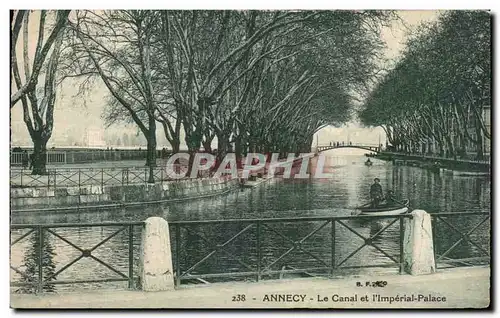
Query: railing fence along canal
x=467, y=234
x=256, y=249
x=81, y=177
x=85, y=156
x=42, y=274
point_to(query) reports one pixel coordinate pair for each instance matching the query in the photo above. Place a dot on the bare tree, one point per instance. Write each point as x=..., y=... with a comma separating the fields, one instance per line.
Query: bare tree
x=118, y=43
x=42, y=48
x=37, y=102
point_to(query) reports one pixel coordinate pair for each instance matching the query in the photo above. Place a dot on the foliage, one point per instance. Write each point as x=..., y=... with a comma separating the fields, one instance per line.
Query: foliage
x=436, y=93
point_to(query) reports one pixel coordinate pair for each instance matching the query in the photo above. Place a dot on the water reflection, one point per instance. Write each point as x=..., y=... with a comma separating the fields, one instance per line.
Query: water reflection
x=348, y=187
x=30, y=264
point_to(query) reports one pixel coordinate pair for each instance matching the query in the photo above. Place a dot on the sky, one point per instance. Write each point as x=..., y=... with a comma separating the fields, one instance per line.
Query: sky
x=394, y=38
x=77, y=119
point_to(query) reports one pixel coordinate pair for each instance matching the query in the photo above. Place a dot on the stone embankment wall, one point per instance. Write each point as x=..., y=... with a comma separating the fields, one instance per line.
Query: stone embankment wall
x=94, y=194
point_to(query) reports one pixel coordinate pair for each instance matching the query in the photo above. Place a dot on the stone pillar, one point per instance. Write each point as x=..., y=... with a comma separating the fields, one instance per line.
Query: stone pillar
x=156, y=271
x=418, y=249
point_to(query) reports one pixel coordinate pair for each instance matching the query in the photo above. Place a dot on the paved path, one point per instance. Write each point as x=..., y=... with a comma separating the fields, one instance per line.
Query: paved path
x=462, y=288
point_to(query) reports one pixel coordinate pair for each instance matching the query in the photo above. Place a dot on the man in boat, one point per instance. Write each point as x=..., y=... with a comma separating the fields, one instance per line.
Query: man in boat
x=376, y=193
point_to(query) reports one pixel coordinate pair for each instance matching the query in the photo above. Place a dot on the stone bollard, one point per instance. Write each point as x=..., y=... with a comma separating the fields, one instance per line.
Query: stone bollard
x=418, y=249
x=156, y=271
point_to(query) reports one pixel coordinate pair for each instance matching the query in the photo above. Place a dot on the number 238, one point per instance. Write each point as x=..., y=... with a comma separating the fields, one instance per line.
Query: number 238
x=239, y=297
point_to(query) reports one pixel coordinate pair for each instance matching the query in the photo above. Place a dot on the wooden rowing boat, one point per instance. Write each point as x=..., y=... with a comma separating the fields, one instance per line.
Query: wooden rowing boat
x=385, y=209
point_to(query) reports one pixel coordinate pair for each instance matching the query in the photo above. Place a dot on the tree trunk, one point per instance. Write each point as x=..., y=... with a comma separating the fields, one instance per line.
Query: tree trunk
x=39, y=159
x=237, y=152
x=441, y=148
x=479, y=144
x=151, y=139
x=193, y=141
x=451, y=151
x=151, y=148
x=176, y=145
x=222, y=147
x=462, y=146
x=207, y=145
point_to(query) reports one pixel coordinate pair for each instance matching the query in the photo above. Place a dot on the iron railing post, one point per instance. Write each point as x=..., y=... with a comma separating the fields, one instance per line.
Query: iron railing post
x=79, y=186
x=102, y=180
x=22, y=176
x=130, y=256
x=333, y=260
x=55, y=179
x=259, y=252
x=177, y=255
x=401, y=245
x=40, y=260
x=434, y=238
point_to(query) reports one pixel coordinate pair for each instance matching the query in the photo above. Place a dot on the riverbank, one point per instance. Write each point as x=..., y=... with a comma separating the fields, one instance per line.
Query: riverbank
x=438, y=164
x=71, y=193
x=467, y=287
x=118, y=195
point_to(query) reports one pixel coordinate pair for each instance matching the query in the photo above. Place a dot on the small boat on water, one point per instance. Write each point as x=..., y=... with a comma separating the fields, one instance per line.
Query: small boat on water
x=368, y=163
x=385, y=209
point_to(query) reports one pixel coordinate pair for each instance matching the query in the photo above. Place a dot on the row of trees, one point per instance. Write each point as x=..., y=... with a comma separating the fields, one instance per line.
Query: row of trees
x=256, y=80
x=433, y=101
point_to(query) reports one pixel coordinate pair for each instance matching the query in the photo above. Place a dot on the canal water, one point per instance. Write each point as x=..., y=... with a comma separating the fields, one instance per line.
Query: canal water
x=335, y=196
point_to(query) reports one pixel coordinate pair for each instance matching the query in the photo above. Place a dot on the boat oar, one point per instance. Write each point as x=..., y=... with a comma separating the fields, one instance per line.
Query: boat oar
x=361, y=206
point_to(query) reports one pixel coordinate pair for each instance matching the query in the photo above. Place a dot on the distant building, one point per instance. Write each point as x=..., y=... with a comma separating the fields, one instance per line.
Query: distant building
x=95, y=137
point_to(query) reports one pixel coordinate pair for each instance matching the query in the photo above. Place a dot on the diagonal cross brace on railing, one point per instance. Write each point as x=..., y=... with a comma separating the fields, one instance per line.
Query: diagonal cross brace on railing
x=134, y=176
x=36, y=178
x=63, y=178
x=463, y=237
x=87, y=253
x=22, y=237
x=251, y=268
x=40, y=282
x=114, y=175
x=296, y=245
x=215, y=249
x=368, y=241
x=90, y=176
x=17, y=270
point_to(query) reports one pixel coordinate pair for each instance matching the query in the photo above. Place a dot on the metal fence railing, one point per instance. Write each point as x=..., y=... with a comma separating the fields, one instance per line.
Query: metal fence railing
x=471, y=233
x=70, y=157
x=268, y=260
x=53, y=157
x=325, y=245
x=40, y=279
x=80, y=177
